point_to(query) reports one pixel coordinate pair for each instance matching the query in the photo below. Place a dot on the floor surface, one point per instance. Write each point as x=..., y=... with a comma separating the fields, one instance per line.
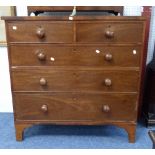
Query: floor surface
x=71, y=137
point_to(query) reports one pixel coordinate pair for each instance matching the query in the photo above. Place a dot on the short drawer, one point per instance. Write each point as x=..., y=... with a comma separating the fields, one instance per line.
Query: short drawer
x=110, y=32
x=75, y=107
x=53, y=55
x=38, y=31
x=51, y=79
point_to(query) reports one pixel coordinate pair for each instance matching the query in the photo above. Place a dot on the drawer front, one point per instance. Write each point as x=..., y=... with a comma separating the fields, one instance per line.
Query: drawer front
x=74, y=80
x=75, y=107
x=110, y=32
x=58, y=31
x=52, y=55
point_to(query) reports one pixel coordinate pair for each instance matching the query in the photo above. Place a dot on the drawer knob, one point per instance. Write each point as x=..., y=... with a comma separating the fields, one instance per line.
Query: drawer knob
x=106, y=108
x=41, y=56
x=108, y=82
x=40, y=33
x=109, y=34
x=44, y=108
x=108, y=57
x=43, y=82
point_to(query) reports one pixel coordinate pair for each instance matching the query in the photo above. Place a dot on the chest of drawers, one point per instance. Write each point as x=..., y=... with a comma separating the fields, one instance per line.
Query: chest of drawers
x=84, y=71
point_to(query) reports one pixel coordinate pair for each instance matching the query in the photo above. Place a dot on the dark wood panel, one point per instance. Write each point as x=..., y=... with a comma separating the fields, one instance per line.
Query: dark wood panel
x=109, y=32
x=61, y=31
x=74, y=80
x=84, y=55
x=118, y=9
x=77, y=107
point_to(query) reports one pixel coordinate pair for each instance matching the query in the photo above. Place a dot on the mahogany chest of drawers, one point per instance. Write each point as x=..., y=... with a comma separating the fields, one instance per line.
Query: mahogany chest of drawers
x=84, y=71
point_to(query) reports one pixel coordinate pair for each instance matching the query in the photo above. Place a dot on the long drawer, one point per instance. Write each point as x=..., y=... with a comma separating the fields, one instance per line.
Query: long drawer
x=51, y=79
x=54, y=55
x=75, y=107
x=38, y=31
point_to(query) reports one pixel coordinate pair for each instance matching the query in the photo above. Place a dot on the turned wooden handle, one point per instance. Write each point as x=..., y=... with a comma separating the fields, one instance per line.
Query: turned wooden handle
x=43, y=82
x=109, y=34
x=44, y=108
x=40, y=32
x=41, y=56
x=108, y=82
x=106, y=108
x=108, y=57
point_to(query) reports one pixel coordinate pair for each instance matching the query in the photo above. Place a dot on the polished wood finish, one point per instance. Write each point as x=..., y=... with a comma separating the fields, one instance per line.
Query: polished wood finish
x=46, y=79
x=109, y=32
x=61, y=31
x=75, y=55
x=75, y=107
x=44, y=108
x=40, y=31
x=84, y=71
x=20, y=129
x=86, y=32
x=41, y=55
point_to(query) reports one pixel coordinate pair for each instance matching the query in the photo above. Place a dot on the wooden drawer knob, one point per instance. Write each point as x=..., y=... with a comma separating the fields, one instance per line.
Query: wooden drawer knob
x=44, y=108
x=41, y=56
x=109, y=34
x=106, y=108
x=108, y=57
x=108, y=82
x=43, y=82
x=40, y=32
